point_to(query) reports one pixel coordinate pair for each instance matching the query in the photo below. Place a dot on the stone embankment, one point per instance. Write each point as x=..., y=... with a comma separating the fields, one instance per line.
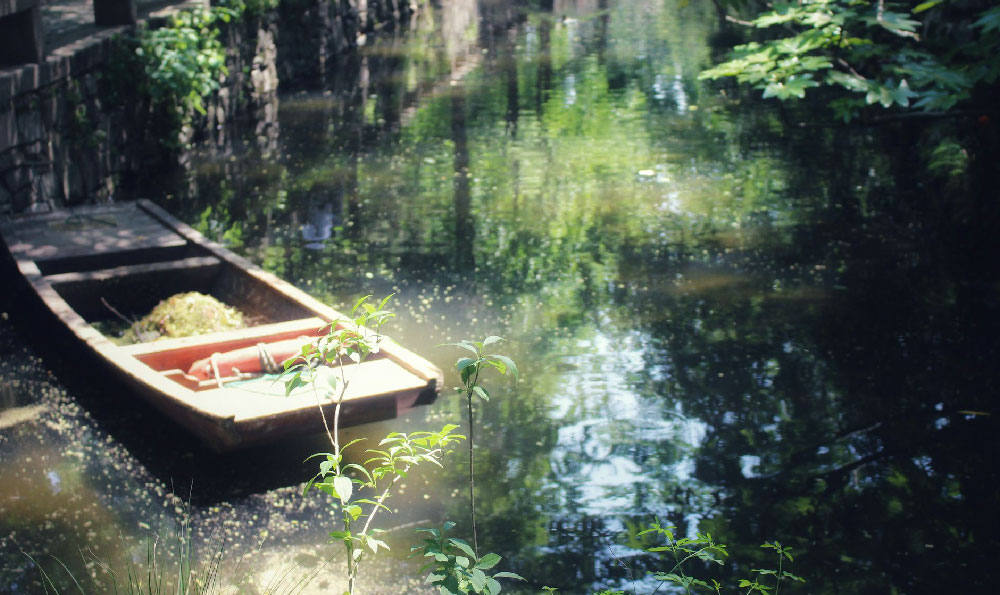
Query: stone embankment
x=68, y=134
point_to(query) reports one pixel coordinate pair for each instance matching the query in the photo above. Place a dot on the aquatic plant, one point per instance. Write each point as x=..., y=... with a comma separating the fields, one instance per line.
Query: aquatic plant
x=323, y=366
x=156, y=575
x=469, y=369
x=455, y=568
x=703, y=547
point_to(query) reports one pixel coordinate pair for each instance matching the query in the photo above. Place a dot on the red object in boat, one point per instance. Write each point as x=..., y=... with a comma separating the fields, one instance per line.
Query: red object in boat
x=263, y=357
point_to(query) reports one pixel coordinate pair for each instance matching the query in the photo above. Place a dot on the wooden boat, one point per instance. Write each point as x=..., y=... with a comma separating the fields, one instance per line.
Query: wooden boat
x=134, y=255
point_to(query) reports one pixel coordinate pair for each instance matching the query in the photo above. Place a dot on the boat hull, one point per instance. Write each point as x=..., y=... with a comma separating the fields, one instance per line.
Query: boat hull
x=87, y=263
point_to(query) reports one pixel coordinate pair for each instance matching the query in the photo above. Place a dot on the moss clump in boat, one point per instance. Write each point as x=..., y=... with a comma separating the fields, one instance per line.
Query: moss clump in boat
x=184, y=315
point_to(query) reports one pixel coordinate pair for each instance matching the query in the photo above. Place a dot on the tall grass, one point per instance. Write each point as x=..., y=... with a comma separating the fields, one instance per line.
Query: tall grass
x=159, y=575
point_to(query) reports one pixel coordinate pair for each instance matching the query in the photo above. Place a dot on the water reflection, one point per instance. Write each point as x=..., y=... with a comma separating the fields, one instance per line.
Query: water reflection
x=319, y=226
x=724, y=319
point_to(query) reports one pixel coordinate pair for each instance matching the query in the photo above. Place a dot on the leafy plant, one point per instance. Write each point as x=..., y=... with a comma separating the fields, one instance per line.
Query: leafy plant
x=185, y=61
x=702, y=547
x=455, y=568
x=754, y=585
x=323, y=366
x=469, y=369
x=156, y=576
x=381, y=472
x=870, y=49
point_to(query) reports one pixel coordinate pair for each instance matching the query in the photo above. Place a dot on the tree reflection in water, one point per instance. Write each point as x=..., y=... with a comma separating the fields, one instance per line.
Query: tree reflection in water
x=730, y=316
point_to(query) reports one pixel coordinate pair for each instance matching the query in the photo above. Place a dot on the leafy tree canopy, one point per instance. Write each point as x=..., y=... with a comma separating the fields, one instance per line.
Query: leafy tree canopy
x=929, y=56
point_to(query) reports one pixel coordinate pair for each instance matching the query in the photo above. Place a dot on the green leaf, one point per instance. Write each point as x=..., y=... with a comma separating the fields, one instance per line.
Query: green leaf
x=463, y=345
x=989, y=20
x=325, y=466
x=488, y=561
x=374, y=544
x=483, y=394
x=308, y=486
x=344, y=488
x=492, y=586
x=462, y=545
x=292, y=384
x=478, y=580
x=507, y=362
x=894, y=22
x=509, y=575
x=358, y=303
x=851, y=82
x=491, y=340
x=468, y=372
x=926, y=6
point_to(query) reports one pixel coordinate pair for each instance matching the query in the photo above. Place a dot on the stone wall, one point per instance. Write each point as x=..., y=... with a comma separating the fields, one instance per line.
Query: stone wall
x=70, y=133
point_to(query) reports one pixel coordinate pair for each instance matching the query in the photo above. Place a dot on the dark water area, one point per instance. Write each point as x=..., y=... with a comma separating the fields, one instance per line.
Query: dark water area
x=730, y=315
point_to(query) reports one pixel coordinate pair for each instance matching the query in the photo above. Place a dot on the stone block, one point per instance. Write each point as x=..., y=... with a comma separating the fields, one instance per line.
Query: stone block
x=54, y=68
x=73, y=183
x=6, y=87
x=25, y=79
x=109, y=13
x=8, y=130
x=21, y=37
x=46, y=185
x=6, y=199
x=89, y=84
x=29, y=126
x=49, y=107
x=13, y=179
x=9, y=7
x=87, y=57
x=21, y=200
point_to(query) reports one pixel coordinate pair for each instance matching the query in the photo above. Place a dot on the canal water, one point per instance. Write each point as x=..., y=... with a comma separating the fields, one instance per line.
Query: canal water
x=729, y=316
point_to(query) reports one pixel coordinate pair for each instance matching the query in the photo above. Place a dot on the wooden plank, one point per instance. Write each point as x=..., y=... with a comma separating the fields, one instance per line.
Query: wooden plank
x=371, y=379
x=83, y=232
x=195, y=262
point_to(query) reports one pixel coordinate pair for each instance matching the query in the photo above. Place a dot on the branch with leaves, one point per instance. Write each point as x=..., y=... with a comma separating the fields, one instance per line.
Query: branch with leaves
x=872, y=50
x=323, y=366
x=470, y=369
x=455, y=568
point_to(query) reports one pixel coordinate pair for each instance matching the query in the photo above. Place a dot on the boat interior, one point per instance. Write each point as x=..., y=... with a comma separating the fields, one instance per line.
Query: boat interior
x=127, y=262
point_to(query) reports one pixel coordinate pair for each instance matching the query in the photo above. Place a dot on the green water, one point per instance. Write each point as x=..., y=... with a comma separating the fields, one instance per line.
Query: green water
x=728, y=315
